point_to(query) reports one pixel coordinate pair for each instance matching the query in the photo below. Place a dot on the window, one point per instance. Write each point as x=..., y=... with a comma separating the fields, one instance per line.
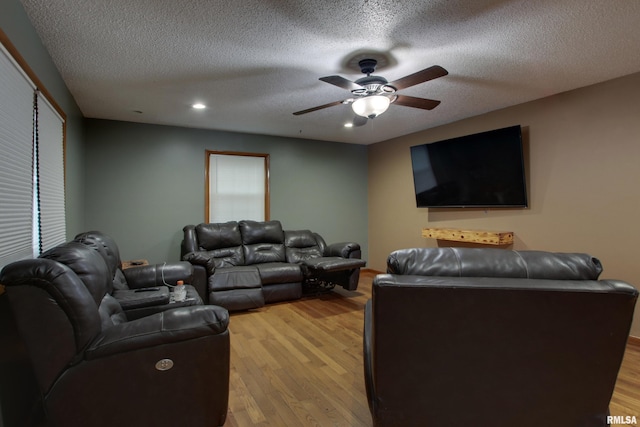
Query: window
x=32, y=215
x=237, y=186
x=50, y=178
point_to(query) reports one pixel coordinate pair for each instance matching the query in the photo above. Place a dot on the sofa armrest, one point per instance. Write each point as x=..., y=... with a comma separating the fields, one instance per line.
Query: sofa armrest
x=344, y=250
x=167, y=327
x=202, y=258
x=179, y=356
x=146, y=276
x=189, y=240
x=199, y=282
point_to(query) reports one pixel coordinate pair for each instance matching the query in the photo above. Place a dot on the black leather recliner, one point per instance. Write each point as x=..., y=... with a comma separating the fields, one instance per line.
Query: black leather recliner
x=335, y=264
x=95, y=368
x=141, y=290
x=491, y=337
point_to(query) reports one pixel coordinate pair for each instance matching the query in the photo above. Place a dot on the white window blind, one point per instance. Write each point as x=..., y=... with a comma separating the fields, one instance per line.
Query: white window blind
x=16, y=147
x=51, y=175
x=24, y=229
x=237, y=187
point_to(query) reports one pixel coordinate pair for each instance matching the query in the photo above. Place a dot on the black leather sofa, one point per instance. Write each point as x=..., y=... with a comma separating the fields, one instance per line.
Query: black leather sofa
x=492, y=337
x=246, y=264
x=96, y=368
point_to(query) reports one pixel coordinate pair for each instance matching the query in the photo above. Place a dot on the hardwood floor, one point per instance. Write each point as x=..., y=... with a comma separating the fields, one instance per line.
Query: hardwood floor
x=626, y=396
x=300, y=364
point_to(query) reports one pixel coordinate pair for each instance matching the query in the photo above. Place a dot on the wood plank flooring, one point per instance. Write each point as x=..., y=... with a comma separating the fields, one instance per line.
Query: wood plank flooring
x=626, y=396
x=300, y=364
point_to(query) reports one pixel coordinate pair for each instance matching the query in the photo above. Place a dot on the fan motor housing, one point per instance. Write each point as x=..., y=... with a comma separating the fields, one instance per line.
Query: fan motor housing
x=368, y=66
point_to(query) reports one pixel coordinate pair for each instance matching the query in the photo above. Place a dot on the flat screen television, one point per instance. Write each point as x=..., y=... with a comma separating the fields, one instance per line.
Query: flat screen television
x=481, y=170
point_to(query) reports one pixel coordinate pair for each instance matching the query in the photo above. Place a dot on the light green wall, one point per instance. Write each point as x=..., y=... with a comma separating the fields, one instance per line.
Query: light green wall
x=17, y=27
x=145, y=182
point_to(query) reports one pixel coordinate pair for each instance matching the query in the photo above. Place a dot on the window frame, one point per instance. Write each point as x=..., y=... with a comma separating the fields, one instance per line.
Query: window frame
x=208, y=173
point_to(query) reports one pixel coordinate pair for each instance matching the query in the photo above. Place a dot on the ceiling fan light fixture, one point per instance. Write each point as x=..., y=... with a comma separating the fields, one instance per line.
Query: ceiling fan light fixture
x=371, y=106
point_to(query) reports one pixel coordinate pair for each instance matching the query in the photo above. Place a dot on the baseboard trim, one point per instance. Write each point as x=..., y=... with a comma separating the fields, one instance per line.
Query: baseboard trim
x=634, y=341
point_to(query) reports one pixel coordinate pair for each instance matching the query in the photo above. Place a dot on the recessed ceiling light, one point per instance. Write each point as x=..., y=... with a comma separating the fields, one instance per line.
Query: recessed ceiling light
x=199, y=106
x=348, y=125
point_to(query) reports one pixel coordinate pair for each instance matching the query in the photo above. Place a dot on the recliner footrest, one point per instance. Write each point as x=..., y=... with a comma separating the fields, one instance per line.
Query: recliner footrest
x=238, y=299
x=328, y=264
x=236, y=288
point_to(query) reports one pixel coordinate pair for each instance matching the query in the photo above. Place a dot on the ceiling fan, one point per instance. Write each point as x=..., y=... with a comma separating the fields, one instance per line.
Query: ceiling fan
x=372, y=95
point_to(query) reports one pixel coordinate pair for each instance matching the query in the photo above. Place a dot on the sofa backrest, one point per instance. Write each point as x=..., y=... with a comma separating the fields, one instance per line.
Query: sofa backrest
x=218, y=235
x=220, y=243
x=108, y=248
x=301, y=245
x=263, y=241
x=489, y=262
x=463, y=351
x=111, y=251
x=87, y=263
x=87, y=259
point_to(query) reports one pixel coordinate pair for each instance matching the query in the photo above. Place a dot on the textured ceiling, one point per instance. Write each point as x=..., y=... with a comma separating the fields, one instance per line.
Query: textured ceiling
x=256, y=62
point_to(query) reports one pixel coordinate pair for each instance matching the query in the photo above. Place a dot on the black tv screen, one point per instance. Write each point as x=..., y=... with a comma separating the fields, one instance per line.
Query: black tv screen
x=480, y=170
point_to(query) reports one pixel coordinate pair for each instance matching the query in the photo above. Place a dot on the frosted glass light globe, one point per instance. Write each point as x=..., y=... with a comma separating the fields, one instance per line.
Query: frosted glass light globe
x=371, y=106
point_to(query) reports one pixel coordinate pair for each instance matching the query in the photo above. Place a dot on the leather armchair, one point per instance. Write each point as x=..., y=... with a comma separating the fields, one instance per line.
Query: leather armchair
x=491, y=337
x=96, y=368
x=141, y=290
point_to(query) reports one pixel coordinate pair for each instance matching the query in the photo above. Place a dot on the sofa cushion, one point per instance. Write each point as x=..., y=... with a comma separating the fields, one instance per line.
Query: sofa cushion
x=279, y=272
x=261, y=253
x=220, y=235
x=261, y=232
x=301, y=245
x=262, y=241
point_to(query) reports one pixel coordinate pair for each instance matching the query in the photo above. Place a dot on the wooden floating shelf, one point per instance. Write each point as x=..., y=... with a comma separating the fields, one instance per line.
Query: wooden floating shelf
x=498, y=238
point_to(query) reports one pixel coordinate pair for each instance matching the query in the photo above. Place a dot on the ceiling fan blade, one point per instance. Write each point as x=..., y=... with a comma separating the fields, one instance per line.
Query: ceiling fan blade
x=341, y=82
x=319, y=107
x=359, y=121
x=410, y=101
x=420, y=77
